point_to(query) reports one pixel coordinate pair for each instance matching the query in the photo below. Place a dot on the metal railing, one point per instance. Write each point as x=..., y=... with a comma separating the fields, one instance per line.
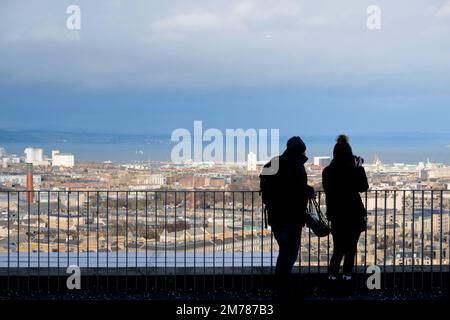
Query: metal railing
x=164, y=237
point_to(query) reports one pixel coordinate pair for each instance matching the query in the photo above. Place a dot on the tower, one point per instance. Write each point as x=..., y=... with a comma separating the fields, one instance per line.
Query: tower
x=251, y=161
x=30, y=186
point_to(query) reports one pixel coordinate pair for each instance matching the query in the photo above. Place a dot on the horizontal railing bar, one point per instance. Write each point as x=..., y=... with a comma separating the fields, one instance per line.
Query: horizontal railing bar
x=199, y=190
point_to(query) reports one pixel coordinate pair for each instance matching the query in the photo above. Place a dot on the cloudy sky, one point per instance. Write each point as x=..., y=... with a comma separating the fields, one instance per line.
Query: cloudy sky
x=306, y=67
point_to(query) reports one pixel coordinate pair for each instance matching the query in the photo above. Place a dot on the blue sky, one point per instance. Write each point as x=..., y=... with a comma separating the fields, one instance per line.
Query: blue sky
x=304, y=67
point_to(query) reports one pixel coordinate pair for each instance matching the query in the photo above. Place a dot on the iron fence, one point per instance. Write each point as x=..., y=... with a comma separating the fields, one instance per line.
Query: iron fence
x=154, y=240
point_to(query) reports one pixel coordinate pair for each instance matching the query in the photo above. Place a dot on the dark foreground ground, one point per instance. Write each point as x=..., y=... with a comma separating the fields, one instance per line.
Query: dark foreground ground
x=366, y=295
x=232, y=297
x=222, y=305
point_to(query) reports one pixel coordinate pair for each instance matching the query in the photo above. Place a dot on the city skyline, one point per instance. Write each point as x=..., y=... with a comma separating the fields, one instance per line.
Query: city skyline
x=409, y=147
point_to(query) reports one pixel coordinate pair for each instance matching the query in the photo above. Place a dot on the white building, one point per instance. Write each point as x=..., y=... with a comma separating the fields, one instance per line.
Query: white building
x=251, y=161
x=62, y=159
x=11, y=159
x=35, y=156
x=439, y=172
x=2, y=152
x=157, y=180
x=19, y=179
x=322, y=161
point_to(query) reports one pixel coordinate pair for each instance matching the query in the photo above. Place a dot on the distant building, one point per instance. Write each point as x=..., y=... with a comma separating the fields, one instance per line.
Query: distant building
x=62, y=159
x=322, y=161
x=2, y=152
x=157, y=180
x=35, y=156
x=424, y=174
x=18, y=179
x=11, y=159
x=217, y=182
x=251, y=161
x=439, y=172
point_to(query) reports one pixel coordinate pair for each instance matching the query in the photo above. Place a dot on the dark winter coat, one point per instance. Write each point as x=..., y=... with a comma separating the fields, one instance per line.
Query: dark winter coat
x=343, y=183
x=292, y=191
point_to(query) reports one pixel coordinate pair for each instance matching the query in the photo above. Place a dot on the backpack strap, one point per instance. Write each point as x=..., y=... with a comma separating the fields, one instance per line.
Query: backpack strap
x=266, y=217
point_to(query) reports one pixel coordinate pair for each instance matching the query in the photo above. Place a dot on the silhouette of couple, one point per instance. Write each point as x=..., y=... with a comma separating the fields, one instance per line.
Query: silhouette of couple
x=287, y=200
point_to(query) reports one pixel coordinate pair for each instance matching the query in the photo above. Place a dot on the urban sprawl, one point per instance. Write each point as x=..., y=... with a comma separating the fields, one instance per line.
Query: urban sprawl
x=208, y=208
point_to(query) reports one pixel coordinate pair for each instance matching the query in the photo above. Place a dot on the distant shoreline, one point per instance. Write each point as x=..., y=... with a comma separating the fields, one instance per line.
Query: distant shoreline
x=135, y=152
x=101, y=147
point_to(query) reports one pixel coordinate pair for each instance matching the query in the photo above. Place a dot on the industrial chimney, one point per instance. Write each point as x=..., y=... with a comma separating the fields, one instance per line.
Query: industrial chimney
x=30, y=185
x=191, y=200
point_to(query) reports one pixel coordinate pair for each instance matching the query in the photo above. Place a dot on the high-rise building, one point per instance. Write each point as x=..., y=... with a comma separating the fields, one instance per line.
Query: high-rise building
x=251, y=161
x=62, y=159
x=377, y=162
x=322, y=161
x=34, y=156
x=2, y=152
x=424, y=174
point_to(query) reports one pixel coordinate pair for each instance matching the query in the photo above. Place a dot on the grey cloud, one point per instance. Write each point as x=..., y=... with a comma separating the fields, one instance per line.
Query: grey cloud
x=212, y=44
x=444, y=10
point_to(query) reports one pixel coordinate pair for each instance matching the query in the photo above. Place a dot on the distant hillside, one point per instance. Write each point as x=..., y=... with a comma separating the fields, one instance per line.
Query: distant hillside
x=71, y=137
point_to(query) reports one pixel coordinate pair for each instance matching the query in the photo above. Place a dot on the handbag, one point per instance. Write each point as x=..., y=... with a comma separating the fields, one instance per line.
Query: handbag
x=315, y=220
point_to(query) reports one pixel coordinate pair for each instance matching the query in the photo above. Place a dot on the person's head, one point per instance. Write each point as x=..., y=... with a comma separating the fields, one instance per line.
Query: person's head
x=342, y=150
x=296, y=145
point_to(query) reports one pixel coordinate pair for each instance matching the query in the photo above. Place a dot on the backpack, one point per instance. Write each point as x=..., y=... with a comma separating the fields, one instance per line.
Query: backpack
x=269, y=183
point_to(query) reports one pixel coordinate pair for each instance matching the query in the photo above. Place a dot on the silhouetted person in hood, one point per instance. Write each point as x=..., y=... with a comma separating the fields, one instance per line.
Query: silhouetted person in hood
x=343, y=181
x=287, y=208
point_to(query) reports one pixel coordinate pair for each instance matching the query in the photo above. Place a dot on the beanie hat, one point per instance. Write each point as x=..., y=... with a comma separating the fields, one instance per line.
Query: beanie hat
x=342, y=149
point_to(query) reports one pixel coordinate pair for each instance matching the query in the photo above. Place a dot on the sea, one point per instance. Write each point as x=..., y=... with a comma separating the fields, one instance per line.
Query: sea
x=388, y=150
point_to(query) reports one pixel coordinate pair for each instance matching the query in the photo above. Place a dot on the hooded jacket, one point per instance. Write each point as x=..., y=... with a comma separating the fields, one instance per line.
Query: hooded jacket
x=291, y=196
